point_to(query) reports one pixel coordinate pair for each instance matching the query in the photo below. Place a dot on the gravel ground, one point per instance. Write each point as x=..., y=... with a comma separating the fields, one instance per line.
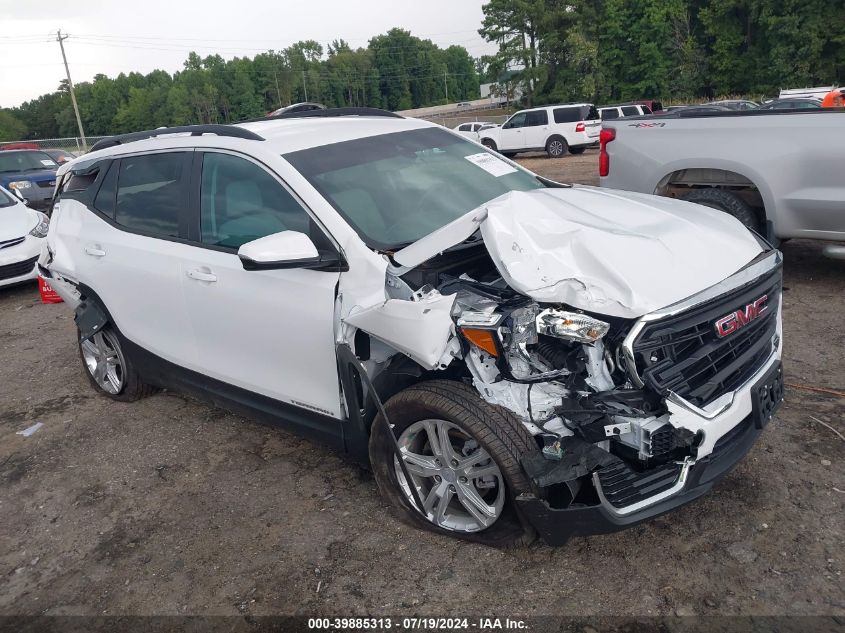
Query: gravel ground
x=168, y=506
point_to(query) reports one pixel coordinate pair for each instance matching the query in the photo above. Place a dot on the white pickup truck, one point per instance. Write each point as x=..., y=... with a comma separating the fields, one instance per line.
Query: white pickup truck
x=780, y=173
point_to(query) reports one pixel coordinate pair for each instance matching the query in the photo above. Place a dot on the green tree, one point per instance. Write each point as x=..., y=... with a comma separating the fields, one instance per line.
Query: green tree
x=11, y=127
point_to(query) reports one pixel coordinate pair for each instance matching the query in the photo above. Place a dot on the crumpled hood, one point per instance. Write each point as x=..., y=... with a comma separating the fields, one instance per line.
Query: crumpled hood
x=16, y=221
x=615, y=253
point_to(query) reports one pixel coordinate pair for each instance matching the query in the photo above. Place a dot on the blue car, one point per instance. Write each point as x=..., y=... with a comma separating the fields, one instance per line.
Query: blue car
x=31, y=173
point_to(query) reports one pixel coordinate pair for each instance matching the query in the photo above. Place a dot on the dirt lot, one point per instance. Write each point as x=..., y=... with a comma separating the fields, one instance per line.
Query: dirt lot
x=167, y=506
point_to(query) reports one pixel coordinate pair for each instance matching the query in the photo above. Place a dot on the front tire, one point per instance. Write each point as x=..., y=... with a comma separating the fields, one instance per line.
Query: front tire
x=728, y=202
x=490, y=144
x=556, y=147
x=110, y=371
x=463, y=458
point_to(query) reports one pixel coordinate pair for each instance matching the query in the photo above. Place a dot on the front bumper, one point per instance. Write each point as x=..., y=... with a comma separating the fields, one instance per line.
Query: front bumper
x=18, y=263
x=695, y=476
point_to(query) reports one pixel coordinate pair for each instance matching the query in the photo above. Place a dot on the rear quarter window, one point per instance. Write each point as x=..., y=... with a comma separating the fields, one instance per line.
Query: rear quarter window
x=568, y=115
x=589, y=113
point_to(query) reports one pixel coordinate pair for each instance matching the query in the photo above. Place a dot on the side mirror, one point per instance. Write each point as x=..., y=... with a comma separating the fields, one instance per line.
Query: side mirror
x=288, y=249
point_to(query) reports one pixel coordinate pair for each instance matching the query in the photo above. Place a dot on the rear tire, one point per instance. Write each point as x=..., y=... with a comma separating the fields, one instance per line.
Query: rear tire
x=474, y=428
x=110, y=371
x=556, y=147
x=729, y=203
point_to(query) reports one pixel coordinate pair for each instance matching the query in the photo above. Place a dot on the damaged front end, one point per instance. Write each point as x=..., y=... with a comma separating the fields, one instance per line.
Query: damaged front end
x=633, y=413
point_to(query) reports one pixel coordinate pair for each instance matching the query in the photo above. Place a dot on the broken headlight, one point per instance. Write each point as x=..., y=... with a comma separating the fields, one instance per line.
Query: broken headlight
x=571, y=326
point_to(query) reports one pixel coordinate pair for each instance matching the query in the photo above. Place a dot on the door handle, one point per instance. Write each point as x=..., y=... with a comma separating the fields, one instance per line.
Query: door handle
x=200, y=275
x=93, y=251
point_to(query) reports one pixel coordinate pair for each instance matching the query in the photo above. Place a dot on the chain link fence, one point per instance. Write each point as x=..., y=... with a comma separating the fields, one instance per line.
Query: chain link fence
x=72, y=144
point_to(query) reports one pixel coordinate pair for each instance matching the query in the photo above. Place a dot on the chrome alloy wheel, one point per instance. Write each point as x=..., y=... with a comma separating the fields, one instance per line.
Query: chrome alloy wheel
x=556, y=148
x=459, y=484
x=104, y=361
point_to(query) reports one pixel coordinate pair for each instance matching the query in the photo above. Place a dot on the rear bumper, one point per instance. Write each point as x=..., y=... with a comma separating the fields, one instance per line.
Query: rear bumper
x=588, y=144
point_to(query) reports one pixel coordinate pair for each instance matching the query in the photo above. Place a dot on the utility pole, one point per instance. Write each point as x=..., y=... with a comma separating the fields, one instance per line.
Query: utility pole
x=304, y=85
x=446, y=85
x=278, y=92
x=60, y=40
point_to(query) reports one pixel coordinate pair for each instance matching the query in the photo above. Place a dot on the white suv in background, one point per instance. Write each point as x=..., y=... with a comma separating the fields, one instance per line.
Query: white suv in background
x=608, y=113
x=509, y=354
x=555, y=129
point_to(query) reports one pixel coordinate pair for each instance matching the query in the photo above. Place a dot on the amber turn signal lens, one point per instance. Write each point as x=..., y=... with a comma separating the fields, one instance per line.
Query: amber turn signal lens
x=483, y=339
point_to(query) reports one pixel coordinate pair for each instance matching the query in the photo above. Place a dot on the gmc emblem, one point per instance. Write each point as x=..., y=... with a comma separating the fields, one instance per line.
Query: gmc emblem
x=742, y=317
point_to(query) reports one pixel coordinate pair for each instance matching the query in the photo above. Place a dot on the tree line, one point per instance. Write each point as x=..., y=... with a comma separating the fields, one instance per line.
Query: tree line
x=396, y=71
x=676, y=50
x=599, y=51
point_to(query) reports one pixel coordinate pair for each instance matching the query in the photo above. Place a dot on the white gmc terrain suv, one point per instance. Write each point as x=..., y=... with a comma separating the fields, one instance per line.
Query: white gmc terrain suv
x=511, y=355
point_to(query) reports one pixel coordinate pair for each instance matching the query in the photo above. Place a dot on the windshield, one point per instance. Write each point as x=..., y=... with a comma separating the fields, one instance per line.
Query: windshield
x=394, y=189
x=25, y=161
x=6, y=199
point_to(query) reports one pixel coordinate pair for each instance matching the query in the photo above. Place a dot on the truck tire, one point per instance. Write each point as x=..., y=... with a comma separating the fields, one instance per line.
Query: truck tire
x=109, y=369
x=452, y=434
x=556, y=147
x=490, y=144
x=728, y=202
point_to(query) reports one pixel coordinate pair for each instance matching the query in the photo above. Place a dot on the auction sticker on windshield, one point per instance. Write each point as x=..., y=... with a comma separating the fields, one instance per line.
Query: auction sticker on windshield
x=491, y=164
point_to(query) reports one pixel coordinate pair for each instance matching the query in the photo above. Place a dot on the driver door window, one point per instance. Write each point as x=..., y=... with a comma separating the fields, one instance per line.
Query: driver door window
x=241, y=202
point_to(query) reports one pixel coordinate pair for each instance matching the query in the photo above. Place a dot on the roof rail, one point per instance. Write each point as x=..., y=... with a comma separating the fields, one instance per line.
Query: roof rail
x=194, y=130
x=333, y=112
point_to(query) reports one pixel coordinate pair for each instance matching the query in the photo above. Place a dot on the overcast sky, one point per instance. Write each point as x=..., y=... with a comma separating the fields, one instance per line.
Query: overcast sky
x=114, y=36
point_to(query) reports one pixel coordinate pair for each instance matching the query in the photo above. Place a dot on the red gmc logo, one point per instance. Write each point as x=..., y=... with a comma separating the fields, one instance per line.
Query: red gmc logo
x=742, y=317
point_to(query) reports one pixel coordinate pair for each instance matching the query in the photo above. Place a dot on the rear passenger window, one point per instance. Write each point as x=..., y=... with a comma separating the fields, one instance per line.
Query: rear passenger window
x=241, y=202
x=630, y=111
x=150, y=193
x=537, y=117
x=104, y=202
x=610, y=113
x=567, y=115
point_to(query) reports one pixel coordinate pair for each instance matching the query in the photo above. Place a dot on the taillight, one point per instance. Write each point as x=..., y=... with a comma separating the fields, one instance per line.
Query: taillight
x=607, y=134
x=580, y=127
